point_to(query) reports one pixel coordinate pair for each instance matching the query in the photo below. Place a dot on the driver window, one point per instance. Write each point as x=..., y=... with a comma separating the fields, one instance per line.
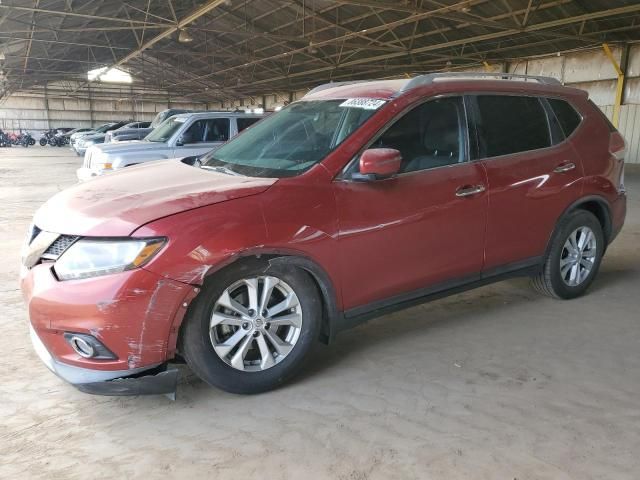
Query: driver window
x=429, y=136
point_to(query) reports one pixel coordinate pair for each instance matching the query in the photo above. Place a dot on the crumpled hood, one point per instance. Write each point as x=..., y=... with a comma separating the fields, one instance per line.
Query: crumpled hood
x=118, y=203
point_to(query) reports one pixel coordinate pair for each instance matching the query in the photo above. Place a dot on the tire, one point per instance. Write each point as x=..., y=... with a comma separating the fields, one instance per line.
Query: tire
x=559, y=278
x=254, y=372
x=43, y=142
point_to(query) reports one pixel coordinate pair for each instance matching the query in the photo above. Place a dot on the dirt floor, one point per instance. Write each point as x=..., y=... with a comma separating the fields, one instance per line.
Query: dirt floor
x=498, y=383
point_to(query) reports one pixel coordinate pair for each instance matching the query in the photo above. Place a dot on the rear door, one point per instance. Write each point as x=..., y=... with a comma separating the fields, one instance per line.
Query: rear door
x=533, y=175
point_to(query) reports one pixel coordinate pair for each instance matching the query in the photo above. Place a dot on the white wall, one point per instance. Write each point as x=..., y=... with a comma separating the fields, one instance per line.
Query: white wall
x=37, y=111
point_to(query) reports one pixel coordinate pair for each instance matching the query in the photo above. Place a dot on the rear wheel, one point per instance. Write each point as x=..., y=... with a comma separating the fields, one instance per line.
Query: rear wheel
x=574, y=256
x=251, y=327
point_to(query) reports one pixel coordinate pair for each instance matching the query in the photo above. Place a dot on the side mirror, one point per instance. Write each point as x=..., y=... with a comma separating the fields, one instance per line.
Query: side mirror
x=180, y=141
x=378, y=164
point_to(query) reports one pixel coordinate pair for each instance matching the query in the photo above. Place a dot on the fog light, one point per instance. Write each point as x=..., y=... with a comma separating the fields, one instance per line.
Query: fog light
x=82, y=347
x=88, y=346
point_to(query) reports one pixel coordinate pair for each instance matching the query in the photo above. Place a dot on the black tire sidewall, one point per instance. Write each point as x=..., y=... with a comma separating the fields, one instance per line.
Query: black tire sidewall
x=196, y=345
x=580, y=218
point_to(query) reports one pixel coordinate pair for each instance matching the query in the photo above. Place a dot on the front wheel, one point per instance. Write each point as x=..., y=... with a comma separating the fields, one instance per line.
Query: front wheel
x=252, y=327
x=43, y=142
x=574, y=256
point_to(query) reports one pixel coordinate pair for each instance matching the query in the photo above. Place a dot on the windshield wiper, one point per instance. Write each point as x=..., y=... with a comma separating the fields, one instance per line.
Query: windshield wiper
x=222, y=170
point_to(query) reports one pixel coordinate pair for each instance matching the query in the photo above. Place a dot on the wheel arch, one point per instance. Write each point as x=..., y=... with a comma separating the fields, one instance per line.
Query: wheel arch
x=324, y=284
x=595, y=204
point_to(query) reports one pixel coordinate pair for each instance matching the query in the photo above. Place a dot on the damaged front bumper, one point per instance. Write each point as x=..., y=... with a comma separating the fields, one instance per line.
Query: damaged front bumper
x=150, y=380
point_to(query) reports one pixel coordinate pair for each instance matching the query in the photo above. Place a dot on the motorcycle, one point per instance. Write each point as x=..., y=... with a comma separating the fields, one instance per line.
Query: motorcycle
x=5, y=141
x=62, y=139
x=51, y=137
x=25, y=139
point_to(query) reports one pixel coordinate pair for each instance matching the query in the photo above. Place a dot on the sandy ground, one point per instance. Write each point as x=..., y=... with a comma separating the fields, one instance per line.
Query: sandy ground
x=497, y=383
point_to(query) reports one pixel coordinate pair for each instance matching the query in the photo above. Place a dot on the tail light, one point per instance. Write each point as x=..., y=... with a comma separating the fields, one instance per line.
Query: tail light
x=618, y=149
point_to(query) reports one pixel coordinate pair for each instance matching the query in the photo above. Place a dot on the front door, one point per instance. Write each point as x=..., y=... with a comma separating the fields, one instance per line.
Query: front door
x=423, y=228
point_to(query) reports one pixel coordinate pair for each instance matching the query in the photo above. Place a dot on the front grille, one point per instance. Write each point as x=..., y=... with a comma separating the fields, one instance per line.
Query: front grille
x=58, y=247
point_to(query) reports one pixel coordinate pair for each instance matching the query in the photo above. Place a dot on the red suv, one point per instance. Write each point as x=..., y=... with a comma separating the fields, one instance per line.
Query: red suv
x=360, y=199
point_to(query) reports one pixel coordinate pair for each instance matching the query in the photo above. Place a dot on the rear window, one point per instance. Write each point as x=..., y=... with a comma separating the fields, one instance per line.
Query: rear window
x=511, y=124
x=567, y=117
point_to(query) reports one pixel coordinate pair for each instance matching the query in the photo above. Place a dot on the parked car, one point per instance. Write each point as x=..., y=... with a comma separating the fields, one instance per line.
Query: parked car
x=78, y=130
x=184, y=135
x=82, y=143
x=130, y=131
x=355, y=201
x=78, y=134
x=140, y=133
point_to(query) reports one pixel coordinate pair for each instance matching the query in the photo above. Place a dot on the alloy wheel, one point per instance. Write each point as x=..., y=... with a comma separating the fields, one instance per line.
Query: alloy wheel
x=255, y=323
x=578, y=256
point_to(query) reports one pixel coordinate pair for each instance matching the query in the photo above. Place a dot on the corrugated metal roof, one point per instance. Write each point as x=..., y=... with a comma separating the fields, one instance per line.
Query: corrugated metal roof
x=245, y=47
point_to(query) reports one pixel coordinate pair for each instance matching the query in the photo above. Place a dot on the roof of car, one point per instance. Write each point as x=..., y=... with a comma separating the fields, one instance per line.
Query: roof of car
x=213, y=114
x=468, y=81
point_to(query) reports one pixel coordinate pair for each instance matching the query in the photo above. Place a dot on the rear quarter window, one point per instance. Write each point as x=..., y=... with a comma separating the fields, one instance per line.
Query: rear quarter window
x=567, y=116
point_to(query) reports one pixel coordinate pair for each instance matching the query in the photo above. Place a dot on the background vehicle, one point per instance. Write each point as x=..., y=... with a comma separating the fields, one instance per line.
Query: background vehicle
x=140, y=133
x=355, y=201
x=184, y=135
x=5, y=141
x=81, y=133
x=130, y=131
x=25, y=139
x=51, y=137
x=78, y=130
x=83, y=142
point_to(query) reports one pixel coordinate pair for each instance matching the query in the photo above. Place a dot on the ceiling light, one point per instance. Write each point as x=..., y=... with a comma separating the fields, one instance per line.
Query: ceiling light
x=2, y=57
x=184, y=36
x=114, y=75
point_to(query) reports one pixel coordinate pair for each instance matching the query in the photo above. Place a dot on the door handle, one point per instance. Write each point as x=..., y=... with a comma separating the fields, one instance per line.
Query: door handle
x=564, y=167
x=468, y=190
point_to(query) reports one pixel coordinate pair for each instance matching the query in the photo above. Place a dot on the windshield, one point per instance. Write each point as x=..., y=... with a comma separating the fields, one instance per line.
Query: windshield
x=291, y=141
x=104, y=128
x=157, y=120
x=165, y=130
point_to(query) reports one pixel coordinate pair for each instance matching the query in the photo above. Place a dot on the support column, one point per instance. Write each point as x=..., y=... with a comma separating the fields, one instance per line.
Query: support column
x=90, y=104
x=46, y=105
x=620, y=70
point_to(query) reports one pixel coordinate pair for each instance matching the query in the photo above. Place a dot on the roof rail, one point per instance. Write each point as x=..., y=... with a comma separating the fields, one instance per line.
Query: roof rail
x=324, y=86
x=430, y=78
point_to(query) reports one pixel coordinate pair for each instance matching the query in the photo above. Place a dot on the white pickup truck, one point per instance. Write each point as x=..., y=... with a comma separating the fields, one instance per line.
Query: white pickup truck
x=180, y=136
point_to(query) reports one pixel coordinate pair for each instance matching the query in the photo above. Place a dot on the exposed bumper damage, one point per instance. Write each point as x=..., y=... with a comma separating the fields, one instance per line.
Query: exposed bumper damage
x=154, y=380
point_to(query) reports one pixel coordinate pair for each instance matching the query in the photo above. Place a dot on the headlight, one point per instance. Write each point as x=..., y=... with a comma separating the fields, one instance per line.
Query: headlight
x=89, y=142
x=92, y=258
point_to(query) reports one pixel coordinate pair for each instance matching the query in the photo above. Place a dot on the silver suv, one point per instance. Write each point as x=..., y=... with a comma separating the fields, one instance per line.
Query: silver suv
x=180, y=136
